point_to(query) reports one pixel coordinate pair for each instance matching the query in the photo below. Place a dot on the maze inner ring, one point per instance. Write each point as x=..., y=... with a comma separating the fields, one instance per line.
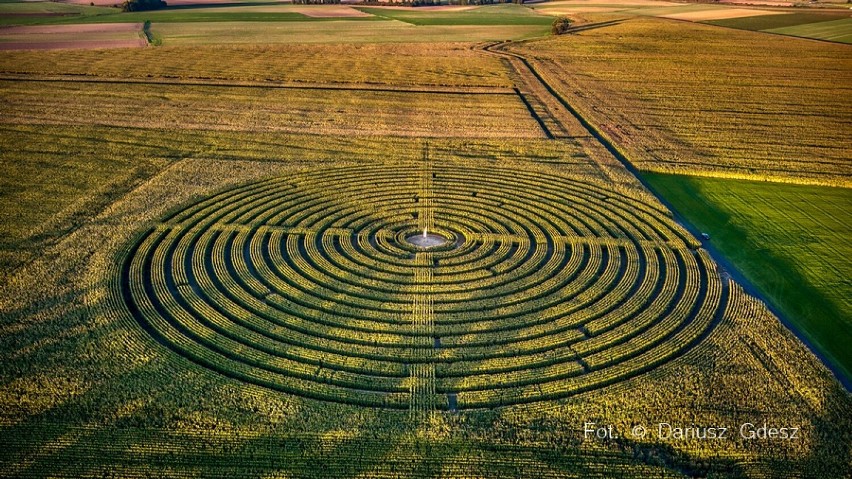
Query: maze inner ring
x=545, y=287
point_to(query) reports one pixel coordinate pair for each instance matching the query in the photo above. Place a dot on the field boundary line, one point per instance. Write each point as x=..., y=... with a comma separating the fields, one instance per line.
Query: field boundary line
x=428, y=89
x=535, y=115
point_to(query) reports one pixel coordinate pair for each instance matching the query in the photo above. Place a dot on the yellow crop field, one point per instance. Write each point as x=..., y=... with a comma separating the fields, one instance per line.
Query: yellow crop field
x=416, y=246
x=715, y=101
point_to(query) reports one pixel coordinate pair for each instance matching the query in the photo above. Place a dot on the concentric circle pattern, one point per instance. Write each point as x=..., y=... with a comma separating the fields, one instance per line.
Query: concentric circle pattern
x=545, y=287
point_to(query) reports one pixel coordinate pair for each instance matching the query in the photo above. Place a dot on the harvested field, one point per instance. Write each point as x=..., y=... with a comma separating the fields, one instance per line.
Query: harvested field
x=73, y=45
x=673, y=9
x=720, y=14
x=568, y=10
x=42, y=12
x=768, y=3
x=337, y=32
x=505, y=15
x=337, y=11
x=72, y=29
x=311, y=11
x=596, y=6
x=613, y=3
x=37, y=14
x=428, y=8
x=52, y=37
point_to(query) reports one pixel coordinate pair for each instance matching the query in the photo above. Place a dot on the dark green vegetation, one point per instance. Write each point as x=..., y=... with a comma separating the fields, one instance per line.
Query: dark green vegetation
x=793, y=242
x=768, y=22
x=560, y=25
x=142, y=5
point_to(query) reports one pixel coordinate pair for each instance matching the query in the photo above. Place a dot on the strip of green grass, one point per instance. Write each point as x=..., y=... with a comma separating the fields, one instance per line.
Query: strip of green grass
x=791, y=241
x=487, y=15
x=767, y=22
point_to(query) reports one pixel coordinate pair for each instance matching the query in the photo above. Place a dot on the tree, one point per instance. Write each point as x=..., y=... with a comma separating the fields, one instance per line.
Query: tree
x=560, y=25
x=142, y=5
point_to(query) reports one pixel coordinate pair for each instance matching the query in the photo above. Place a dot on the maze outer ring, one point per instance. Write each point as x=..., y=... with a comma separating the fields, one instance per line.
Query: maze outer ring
x=548, y=287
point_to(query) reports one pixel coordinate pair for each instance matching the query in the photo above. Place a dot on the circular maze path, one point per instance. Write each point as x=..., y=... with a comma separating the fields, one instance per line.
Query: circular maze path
x=533, y=286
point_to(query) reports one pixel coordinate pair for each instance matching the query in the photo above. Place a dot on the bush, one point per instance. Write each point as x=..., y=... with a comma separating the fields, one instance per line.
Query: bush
x=560, y=26
x=142, y=5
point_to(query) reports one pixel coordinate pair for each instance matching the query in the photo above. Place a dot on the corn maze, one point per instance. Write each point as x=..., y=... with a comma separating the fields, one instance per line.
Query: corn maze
x=541, y=286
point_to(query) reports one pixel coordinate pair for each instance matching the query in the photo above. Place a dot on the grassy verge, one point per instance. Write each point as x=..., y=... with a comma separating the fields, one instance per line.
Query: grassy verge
x=790, y=241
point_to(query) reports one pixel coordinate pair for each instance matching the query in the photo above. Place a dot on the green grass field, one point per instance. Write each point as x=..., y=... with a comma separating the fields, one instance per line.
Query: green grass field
x=834, y=31
x=791, y=241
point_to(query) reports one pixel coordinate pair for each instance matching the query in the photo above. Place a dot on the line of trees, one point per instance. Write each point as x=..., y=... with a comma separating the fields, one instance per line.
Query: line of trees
x=316, y=2
x=425, y=3
x=142, y=5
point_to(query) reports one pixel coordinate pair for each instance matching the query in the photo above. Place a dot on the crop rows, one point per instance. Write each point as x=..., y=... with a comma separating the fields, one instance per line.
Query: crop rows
x=740, y=109
x=546, y=287
x=337, y=111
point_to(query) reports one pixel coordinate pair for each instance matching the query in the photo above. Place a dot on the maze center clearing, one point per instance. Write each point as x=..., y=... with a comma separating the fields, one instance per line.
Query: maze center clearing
x=427, y=240
x=528, y=286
